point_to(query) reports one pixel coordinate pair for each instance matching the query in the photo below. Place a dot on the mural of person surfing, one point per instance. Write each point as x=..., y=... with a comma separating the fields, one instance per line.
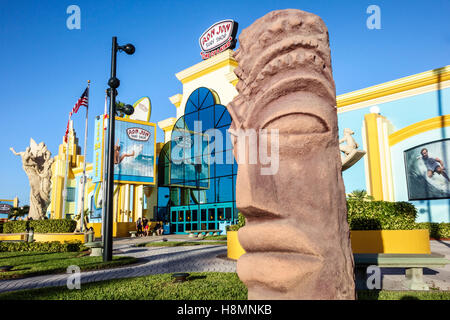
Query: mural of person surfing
x=118, y=158
x=433, y=165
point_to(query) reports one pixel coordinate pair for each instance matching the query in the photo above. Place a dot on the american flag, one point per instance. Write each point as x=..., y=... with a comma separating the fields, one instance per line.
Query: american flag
x=82, y=101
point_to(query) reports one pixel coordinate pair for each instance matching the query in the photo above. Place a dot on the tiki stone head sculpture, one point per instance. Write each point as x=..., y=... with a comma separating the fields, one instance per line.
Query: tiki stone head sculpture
x=296, y=237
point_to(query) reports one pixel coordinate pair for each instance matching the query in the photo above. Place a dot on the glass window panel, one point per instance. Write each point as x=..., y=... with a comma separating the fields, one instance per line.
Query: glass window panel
x=212, y=226
x=194, y=215
x=223, y=169
x=211, y=214
x=173, y=228
x=228, y=214
x=180, y=227
x=190, y=106
x=203, y=226
x=206, y=98
x=204, y=217
x=209, y=187
x=220, y=214
x=163, y=197
x=224, y=187
x=180, y=215
x=188, y=216
x=189, y=120
x=174, y=216
x=206, y=117
x=187, y=226
x=223, y=118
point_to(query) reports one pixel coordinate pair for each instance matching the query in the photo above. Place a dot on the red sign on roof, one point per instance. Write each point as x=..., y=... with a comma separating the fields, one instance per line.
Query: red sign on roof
x=217, y=38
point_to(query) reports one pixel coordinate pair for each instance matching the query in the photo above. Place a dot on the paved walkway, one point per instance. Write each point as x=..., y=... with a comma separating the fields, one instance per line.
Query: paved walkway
x=156, y=260
x=153, y=260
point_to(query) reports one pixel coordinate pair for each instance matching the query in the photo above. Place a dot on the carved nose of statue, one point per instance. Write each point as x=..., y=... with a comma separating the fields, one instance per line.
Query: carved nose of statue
x=244, y=186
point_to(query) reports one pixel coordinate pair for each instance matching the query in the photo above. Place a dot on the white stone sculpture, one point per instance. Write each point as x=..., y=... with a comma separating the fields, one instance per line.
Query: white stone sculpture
x=37, y=163
x=350, y=153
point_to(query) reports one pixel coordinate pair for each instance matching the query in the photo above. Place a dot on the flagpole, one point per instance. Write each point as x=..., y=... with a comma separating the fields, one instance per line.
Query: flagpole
x=67, y=170
x=84, y=163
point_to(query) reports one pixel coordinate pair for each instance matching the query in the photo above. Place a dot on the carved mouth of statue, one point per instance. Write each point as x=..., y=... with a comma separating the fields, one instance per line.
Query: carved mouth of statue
x=282, y=252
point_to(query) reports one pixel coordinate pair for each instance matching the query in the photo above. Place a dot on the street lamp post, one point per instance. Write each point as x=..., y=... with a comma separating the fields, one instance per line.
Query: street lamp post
x=113, y=83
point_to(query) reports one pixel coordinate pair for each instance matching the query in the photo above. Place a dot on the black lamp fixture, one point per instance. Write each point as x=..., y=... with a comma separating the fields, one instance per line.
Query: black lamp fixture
x=113, y=83
x=124, y=108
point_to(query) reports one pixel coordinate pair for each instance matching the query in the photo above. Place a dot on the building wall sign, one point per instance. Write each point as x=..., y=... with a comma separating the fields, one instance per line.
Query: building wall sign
x=217, y=38
x=4, y=208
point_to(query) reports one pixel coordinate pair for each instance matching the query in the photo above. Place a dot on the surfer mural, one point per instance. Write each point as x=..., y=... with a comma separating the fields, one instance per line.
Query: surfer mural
x=134, y=151
x=426, y=171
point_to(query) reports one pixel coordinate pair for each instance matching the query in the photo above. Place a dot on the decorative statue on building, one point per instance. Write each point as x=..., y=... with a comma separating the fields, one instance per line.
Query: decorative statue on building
x=37, y=163
x=77, y=218
x=350, y=153
x=296, y=237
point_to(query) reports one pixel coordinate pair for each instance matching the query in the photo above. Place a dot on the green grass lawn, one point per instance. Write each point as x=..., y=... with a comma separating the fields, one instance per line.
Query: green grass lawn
x=180, y=243
x=403, y=295
x=28, y=264
x=223, y=237
x=200, y=286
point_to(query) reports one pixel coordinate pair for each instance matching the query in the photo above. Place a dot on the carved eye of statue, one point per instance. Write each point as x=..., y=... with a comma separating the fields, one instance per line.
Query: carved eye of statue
x=297, y=123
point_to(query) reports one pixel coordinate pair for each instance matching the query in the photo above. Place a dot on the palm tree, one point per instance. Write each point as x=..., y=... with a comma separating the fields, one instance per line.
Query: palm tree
x=360, y=195
x=18, y=212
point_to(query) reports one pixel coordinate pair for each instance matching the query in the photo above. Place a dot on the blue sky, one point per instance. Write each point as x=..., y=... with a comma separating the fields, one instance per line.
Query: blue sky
x=44, y=66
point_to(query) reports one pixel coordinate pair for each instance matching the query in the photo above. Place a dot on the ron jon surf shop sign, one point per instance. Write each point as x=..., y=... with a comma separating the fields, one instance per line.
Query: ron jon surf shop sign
x=217, y=38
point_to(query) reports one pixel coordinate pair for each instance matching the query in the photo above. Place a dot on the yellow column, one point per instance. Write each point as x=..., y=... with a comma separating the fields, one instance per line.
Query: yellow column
x=376, y=130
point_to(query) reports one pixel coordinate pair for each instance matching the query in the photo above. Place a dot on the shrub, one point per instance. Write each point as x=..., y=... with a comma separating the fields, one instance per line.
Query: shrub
x=15, y=226
x=381, y=215
x=50, y=246
x=41, y=226
x=241, y=223
x=437, y=230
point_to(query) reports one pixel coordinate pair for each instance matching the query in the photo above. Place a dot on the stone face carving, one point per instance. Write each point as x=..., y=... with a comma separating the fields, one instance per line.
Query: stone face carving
x=37, y=163
x=296, y=234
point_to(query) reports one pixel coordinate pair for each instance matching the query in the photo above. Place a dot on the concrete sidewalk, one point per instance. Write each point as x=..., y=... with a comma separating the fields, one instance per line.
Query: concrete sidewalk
x=156, y=260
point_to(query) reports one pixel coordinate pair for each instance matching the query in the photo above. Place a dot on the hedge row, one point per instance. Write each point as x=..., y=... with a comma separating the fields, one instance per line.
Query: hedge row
x=51, y=246
x=381, y=215
x=41, y=226
x=437, y=230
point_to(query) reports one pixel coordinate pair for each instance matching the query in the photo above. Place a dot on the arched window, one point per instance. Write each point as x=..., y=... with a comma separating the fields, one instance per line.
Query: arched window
x=198, y=163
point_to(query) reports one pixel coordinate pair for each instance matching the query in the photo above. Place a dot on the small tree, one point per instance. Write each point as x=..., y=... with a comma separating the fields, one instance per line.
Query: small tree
x=17, y=212
x=360, y=195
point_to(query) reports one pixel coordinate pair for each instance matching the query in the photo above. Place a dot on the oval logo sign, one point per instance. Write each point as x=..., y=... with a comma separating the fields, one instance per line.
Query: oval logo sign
x=138, y=134
x=218, y=35
x=4, y=208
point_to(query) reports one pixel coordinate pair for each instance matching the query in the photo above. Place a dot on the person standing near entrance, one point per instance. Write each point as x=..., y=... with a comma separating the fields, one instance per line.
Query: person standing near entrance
x=139, y=226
